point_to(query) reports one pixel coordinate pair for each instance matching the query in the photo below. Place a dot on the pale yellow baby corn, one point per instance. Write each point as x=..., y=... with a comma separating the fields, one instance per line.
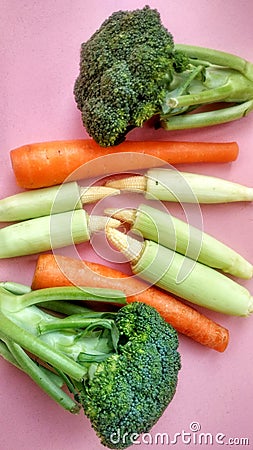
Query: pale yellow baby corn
x=175, y=273
x=51, y=200
x=167, y=230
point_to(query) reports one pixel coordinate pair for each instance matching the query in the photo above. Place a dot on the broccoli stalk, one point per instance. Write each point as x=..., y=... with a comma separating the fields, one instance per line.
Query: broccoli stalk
x=131, y=71
x=121, y=367
x=225, y=78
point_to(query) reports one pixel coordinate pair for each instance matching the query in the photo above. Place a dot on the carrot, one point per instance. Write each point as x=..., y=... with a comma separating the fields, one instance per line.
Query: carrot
x=50, y=163
x=55, y=270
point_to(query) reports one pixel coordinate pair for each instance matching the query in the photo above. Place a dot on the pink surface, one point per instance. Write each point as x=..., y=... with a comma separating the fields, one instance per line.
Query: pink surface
x=39, y=50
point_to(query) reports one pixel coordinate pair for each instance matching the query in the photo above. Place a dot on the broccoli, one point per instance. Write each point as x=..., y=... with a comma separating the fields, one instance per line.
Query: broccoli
x=121, y=366
x=131, y=71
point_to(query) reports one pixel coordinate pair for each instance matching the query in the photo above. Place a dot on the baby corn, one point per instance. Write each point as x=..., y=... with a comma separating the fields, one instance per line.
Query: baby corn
x=45, y=201
x=180, y=236
x=174, y=186
x=50, y=232
x=175, y=273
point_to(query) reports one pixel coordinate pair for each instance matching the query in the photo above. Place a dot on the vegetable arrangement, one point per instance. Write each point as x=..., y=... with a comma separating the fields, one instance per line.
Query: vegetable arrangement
x=112, y=339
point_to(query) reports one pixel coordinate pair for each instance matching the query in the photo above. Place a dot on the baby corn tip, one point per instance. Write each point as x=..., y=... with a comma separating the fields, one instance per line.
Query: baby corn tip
x=130, y=247
x=124, y=215
x=95, y=193
x=100, y=223
x=134, y=183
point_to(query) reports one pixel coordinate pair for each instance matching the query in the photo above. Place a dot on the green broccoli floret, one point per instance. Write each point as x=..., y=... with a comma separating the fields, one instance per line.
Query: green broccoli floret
x=131, y=389
x=122, y=366
x=131, y=70
x=125, y=69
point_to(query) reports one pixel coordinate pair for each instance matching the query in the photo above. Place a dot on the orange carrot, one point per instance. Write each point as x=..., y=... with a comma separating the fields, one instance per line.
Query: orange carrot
x=50, y=163
x=55, y=270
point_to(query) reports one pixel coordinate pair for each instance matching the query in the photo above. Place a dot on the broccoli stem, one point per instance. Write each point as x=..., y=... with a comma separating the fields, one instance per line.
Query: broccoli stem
x=42, y=350
x=15, y=288
x=65, y=307
x=29, y=341
x=20, y=320
x=217, y=57
x=228, y=78
x=68, y=383
x=76, y=321
x=166, y=105
x=202, y=119
x=16, y=303
x=8, y=356
x=44, y=381
x=208, y=96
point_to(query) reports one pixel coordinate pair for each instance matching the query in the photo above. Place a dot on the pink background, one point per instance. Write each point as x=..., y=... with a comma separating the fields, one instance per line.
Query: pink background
x=39, y=52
